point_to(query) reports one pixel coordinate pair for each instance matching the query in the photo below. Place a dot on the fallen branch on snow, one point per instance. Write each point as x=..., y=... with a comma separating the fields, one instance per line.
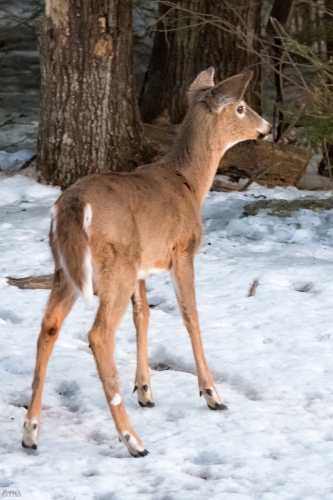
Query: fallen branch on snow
x=253, y=288
x=32, y=282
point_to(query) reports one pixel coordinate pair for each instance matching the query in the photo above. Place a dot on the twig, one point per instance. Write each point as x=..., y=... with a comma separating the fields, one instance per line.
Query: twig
x=253, y=288
x=28, y=162
x=256, y=176
x=13, y=144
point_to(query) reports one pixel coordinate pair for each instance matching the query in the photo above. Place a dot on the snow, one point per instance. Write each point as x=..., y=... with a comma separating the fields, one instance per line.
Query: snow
x=270, y=355
x=14, y=161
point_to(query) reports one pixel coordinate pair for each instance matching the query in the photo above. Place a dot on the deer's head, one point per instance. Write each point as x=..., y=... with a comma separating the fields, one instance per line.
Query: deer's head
x=231, y=117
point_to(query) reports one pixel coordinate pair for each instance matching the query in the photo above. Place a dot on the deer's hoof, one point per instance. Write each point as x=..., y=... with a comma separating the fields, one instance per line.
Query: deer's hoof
x=134, y=447
x=30, y=434
x=218, y=406
x=212, y=399
x=148, y=404
x=145, y=397
x=140, y=453
x=32, y=447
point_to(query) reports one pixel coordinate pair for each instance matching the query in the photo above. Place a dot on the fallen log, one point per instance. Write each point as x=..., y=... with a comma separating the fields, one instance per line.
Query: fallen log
x=32, y=282
x=264, y=162
x=224, y=187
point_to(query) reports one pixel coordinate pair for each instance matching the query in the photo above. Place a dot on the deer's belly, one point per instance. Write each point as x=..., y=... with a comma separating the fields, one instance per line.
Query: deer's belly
x=147, y=273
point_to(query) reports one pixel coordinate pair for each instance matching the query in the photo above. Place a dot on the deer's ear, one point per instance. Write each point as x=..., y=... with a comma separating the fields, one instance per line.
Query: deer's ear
x=204, y=80
x=229, y=91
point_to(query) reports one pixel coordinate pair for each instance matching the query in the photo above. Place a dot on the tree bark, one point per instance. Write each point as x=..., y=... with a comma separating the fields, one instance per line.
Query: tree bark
x=184, y=46
x=89, y=119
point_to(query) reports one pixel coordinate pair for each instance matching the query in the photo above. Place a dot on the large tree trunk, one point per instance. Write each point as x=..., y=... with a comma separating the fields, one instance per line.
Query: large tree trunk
x=89, y=118
x=182, y=49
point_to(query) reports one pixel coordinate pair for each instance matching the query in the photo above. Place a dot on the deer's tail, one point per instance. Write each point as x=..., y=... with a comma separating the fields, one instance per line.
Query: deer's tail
x=70, y=244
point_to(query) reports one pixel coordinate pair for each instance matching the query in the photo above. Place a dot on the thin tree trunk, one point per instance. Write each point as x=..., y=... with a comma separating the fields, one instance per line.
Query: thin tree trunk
x=89, y=118
x=282, y=12
x=183, y=47
x=328, y=24
x=326, y=164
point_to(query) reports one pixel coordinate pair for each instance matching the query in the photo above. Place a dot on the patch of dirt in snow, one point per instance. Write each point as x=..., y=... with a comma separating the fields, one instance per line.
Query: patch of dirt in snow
x=284, y=208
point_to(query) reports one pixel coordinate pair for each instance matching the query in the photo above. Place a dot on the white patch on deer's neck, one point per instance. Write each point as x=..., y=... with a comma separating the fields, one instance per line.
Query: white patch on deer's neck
x=144, y=274
x=229, y=145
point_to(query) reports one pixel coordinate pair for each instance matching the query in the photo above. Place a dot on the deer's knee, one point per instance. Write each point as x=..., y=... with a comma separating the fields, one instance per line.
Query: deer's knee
x=94, y=339
x=51, y=325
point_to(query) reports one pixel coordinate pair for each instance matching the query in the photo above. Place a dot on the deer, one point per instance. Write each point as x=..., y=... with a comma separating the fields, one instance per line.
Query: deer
x=110, y=231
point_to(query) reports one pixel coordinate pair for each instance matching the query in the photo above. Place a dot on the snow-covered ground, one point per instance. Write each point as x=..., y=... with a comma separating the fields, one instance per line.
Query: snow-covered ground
x=271, y=356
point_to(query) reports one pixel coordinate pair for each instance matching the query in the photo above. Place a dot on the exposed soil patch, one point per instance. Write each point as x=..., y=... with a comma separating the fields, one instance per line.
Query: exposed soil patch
x=284, y=208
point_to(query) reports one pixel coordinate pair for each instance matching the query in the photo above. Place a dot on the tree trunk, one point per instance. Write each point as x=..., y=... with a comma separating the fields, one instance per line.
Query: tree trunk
x=89, y=118
x=328, y=23
x=325, y=167
x=281, y=11
x=184, y=46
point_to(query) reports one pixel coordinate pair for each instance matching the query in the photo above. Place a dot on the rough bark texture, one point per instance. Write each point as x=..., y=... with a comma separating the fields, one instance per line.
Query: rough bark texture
x=182, y=48
x=89, y=118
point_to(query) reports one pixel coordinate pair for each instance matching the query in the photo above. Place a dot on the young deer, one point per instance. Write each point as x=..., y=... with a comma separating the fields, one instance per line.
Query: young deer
x=109, y=232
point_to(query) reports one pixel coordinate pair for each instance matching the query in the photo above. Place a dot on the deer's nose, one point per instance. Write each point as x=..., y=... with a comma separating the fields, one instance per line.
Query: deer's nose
x=265, y=132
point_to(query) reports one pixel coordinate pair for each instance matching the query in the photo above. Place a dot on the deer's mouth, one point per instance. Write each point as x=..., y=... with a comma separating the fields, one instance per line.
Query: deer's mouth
x=267, y=133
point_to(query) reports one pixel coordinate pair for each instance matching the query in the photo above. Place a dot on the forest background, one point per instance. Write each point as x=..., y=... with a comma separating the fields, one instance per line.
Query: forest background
x=105, y=67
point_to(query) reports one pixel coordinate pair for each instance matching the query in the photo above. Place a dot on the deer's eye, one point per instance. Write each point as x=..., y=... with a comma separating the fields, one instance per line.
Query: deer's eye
x=240, y=110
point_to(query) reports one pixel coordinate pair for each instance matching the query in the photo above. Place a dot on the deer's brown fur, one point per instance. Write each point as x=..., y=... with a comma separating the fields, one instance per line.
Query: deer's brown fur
x=110, y=231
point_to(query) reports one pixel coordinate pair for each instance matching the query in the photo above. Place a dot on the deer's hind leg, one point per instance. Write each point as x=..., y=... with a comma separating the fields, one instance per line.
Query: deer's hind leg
x=62, y=298
x=141, y=317
x=115, y=291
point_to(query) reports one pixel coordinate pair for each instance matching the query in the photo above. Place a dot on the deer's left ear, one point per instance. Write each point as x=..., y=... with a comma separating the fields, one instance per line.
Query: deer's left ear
x=229, y=91
x=204, y=80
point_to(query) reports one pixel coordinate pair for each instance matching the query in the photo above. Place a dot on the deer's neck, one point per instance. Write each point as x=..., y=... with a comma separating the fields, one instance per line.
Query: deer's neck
x=197, y=151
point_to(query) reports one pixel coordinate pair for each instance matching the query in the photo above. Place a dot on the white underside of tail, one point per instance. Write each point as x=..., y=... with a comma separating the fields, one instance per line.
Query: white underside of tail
x=87, y=292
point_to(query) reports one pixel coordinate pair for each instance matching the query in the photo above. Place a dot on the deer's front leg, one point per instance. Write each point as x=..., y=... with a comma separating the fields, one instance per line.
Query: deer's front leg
x=183, y=277
x=141, y=317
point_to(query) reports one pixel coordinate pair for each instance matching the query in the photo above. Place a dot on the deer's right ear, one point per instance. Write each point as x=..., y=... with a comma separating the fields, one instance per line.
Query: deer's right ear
x=229, y=91
x=204, y=80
